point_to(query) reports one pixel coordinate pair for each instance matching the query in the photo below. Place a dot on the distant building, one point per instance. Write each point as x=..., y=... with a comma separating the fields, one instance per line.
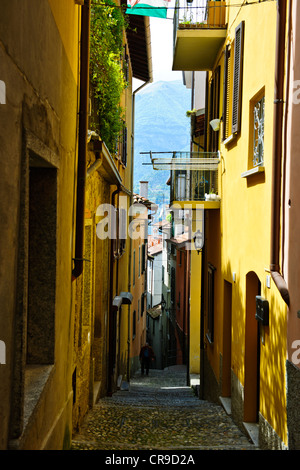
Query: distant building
x=139, y=274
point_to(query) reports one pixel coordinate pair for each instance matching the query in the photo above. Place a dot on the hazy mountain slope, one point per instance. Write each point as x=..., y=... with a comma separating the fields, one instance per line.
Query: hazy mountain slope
x=161, y=125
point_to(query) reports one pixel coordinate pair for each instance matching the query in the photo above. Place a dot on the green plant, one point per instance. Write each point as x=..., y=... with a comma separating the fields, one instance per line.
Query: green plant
x=106, y=71
x=189, y=113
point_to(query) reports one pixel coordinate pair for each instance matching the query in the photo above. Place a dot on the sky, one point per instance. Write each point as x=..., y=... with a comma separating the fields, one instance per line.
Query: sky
x=162, y=49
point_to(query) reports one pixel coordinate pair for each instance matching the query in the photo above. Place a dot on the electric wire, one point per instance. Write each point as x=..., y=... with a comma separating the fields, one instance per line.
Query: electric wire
x=198, y=7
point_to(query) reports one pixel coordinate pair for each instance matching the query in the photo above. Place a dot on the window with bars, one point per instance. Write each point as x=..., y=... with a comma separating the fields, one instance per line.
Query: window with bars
x=258, y=131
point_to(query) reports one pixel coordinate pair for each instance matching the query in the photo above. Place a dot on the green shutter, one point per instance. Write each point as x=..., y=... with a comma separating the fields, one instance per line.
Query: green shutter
x=237, y=78
x=225, y=94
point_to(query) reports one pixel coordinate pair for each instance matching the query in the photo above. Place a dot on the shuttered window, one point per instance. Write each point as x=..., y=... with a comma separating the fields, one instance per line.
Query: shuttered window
x=237, y=78
x=143, y=258
x=226, y=93
x=124, y=147
x=214, y=109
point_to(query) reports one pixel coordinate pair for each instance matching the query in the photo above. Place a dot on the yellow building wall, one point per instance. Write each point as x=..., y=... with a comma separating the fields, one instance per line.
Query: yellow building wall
x=67, y=17
x=137, y=289
x=246, y=216
x=195, y=310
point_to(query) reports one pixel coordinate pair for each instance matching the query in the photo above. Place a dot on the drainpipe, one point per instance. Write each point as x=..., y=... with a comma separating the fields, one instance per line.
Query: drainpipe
x=277, y=152
x=82, y=144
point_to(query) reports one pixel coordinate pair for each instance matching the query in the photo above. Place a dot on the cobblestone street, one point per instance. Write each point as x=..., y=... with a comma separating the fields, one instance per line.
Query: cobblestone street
x=159, y=412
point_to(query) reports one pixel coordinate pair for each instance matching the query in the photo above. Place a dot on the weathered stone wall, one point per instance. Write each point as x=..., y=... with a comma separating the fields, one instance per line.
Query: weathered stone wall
x=37, y=130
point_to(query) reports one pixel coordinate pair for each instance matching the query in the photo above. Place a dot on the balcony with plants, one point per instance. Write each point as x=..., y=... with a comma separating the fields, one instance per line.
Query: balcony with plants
x=194, y=176
x=199, y=33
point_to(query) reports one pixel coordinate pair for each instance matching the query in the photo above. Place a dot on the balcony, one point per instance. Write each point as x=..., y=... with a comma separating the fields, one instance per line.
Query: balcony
x=199, y=33
x=194, y=176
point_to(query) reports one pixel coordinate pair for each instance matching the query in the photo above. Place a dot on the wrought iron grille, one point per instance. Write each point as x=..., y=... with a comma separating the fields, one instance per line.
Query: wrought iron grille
x=258, y=132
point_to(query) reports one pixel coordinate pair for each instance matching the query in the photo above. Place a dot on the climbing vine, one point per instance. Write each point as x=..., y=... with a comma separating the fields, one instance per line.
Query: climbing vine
x=106, y=71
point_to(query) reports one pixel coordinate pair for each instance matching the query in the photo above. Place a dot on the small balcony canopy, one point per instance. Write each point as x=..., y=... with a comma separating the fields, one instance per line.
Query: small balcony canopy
x=184, y=160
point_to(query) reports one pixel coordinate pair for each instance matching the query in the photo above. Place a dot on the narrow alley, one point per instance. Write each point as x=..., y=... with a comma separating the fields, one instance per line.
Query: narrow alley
x=159, y=412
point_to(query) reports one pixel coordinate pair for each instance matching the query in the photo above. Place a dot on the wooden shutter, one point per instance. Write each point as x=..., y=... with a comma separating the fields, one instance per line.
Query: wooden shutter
x=225, y=93
x=124, y=147
x=214, y=109
x=237, y=78
x=143, y=258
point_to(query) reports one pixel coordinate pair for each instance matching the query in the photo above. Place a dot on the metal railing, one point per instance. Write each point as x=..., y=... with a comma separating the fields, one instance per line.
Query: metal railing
x=196, y=183
x=194, y=175
x=199, y=14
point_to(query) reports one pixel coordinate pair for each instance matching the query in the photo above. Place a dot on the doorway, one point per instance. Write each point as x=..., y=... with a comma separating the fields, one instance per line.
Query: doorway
x=252, y=351
x=226, y=365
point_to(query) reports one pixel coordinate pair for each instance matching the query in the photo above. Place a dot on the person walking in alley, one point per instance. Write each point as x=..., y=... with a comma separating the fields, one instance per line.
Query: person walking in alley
x=146, y=356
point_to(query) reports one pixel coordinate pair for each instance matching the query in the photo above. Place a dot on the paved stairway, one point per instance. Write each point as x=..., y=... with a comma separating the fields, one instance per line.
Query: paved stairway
x=159, y=412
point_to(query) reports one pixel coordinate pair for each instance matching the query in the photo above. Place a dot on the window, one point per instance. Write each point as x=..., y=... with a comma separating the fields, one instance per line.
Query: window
x=226, y=92
x=232, y=89
x=143, y=258
x=142, y=304
x=133, y=324
x=256, y=134
x=133, y=269
x=258, y=131
x=124, y=147
x=125, y=65
x=139, y=261
x=122, y=230
x=214, y=110
x=237, y=78
x=210, y=303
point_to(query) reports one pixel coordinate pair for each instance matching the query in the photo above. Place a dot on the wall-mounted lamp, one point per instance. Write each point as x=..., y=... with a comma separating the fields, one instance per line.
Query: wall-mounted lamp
x=198, y=241
x=163, y=303
x=215, y=124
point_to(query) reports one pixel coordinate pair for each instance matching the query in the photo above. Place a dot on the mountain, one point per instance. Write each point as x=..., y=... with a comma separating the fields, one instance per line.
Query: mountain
x=161, y=125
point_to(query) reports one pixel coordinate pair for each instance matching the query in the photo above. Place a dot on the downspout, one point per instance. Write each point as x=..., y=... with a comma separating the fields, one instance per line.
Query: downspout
x=277, y=152
x=82, y=140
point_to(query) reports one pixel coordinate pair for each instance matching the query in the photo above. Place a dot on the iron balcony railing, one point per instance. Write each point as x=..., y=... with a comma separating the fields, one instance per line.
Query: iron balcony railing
x=194, y=175
x=199, y=14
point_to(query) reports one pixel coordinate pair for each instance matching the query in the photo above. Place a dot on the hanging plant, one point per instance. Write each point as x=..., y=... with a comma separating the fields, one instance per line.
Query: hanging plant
x=106, y=71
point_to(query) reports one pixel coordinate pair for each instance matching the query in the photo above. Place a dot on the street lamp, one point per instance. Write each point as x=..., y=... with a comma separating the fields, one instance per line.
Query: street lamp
x=198, y=241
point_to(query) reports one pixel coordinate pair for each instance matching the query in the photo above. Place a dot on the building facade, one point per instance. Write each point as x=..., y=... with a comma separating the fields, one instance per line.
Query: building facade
x=39, y=48
x=242, y=299
x=65, y=290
